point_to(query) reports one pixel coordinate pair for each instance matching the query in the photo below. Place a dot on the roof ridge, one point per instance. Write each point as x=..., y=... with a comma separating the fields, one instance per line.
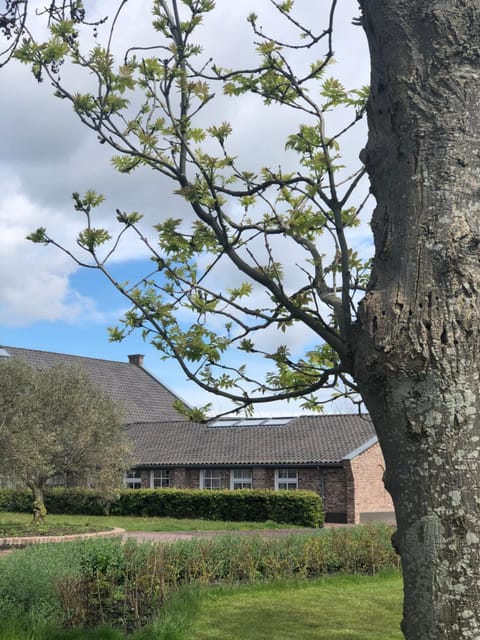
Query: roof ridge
x=69, y=355
x=335, y=415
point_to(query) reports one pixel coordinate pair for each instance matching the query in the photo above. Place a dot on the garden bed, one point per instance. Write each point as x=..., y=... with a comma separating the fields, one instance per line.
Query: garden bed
x=18, y=535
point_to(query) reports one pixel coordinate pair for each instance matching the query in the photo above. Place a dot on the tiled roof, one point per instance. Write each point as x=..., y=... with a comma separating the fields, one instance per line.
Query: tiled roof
x=139, y=395
x=317, y=439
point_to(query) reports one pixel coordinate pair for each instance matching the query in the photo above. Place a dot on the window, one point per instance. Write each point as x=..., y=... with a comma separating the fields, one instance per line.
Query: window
x=133, y=479
x=241, y=479
x=210, y=479
x=286, y=479
x=160, y=479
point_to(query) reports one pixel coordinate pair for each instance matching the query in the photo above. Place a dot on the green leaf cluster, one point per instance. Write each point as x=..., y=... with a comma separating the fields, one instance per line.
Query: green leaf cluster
x=155, y=107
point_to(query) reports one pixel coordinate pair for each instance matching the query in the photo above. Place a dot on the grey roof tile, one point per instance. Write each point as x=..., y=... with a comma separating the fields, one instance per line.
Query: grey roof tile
x=139, y=395
x=162, y=437
x=317, y=439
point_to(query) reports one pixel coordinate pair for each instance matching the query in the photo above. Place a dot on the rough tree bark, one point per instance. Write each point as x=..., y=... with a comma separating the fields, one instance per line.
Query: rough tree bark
x=38, y=507
x=417, y=359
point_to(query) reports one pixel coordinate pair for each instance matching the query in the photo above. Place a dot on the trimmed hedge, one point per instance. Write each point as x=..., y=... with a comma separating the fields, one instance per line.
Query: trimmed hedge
x=293, y=507
x=20, y=500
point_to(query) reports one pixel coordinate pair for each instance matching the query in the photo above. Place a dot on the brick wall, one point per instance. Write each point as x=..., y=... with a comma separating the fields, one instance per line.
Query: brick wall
x=334, y=494
x=309, y=479
x=263, y=478
x=367, y=498
x=179, y=478
x=145, y=478
x=352, y=493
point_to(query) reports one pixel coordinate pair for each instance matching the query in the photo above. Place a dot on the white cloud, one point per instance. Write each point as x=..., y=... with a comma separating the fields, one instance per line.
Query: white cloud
x=34, y=282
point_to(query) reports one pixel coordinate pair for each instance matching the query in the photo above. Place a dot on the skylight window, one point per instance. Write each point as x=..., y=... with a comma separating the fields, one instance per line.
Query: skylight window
x=225, y=423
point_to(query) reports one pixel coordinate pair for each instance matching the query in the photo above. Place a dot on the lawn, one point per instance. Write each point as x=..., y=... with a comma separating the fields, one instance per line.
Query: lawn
x=131, y=523
x=331, y=608
x=334, y=608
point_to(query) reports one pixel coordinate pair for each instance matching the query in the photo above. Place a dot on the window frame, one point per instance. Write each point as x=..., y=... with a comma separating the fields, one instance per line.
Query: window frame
x=132, y=479
x=241, y=478
x=163, y=475
x=290, y=481
x=210, y=475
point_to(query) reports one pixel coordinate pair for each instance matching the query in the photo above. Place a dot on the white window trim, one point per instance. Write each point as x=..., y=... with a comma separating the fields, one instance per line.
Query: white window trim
x=152, y=474
x=287, y=481
x=212, y=471
x=236, y=475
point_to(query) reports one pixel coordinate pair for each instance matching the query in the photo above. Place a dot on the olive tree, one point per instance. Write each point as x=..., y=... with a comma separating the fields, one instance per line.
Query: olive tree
x=409, y=348
x=55, y=422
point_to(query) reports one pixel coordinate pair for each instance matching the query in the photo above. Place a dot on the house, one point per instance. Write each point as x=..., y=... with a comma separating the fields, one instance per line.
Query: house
x=337, y=456
x=138, y=394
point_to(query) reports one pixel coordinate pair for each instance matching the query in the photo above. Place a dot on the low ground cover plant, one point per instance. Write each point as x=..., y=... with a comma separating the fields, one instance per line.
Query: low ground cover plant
x=96, y=582
x=18, y=528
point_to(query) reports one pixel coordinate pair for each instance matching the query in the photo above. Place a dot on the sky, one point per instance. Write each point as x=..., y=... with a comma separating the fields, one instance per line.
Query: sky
x=46, y=301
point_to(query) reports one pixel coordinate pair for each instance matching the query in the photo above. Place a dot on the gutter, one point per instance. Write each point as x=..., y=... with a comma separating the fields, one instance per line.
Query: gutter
x=362, y=448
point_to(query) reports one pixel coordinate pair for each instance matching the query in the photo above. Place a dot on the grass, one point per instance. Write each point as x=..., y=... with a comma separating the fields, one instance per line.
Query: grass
x=331, y=608
x=142, y=524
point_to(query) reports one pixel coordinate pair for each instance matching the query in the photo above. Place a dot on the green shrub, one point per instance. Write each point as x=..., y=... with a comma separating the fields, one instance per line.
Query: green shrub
x=76, y=501
x=57, y=500
x=299, y=507
x=18, y=500
x=126, y=586
x=102, y=581
x=295, y=507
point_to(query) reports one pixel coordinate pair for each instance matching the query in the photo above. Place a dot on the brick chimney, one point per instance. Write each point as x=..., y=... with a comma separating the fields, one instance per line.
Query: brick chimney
x=136, y=359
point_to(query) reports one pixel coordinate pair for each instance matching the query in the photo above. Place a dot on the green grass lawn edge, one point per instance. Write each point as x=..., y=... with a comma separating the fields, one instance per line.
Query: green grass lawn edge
x=135, y=523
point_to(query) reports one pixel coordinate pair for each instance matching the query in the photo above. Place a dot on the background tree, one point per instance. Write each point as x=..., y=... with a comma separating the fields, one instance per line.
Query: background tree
x=56, y=422
x=411, y=351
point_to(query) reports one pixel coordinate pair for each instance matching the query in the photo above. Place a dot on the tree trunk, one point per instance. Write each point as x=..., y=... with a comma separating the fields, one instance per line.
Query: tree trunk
x=418, y=349
x=39, y=509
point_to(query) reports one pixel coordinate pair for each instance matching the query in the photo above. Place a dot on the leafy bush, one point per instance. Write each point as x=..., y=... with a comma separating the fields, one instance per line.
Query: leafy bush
x=99, y=581
x=18, y=500
x=296, y=507
x=76, y=501
x=64, y=501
